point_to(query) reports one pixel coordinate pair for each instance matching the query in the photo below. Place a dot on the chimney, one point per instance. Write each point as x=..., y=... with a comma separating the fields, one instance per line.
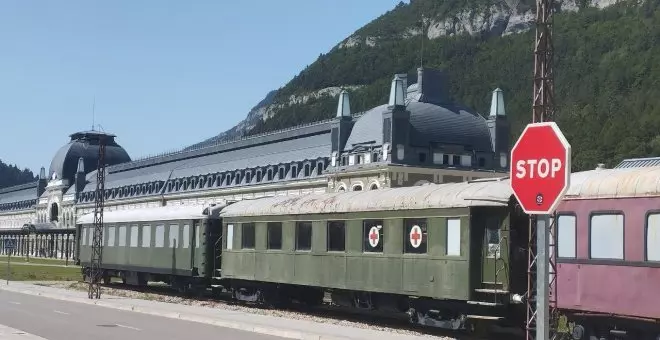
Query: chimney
x=397, y=93
x=42, y=182
x=343, y=124
x=404, y=78
x=433, y=86
x=343, y=106
x=80, y=176
x=497, y=103
x=396, y=122
x=499, y=129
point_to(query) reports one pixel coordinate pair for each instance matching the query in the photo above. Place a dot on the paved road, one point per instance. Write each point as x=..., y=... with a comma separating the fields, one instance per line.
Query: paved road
x=61, y=320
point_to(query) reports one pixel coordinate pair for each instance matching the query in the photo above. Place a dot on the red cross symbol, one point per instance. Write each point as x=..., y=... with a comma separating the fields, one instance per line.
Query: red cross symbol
x=373, y=236
x=415, y=236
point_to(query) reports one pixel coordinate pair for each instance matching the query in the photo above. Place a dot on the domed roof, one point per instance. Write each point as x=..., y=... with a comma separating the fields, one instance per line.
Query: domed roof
x=86, y=145
x=447, y=124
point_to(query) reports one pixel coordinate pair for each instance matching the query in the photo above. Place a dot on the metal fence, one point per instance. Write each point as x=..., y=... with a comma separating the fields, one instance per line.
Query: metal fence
x=53, y=244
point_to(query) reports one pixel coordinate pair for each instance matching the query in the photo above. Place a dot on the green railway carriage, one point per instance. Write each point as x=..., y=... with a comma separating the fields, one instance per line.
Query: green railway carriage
x=173, y=244
x=443, y=253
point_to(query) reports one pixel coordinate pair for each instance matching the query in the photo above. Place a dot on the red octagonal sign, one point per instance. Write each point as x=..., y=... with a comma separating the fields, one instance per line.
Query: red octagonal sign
x=540, y=168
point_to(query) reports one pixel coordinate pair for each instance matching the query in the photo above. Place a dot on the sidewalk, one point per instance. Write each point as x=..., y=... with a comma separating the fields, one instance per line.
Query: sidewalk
x=8, y=333
x=265, y=324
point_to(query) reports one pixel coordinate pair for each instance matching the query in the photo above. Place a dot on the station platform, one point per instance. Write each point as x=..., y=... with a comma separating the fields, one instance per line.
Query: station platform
x=263, y=324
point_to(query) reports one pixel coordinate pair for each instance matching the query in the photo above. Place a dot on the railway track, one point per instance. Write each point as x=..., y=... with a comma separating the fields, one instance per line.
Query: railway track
x=326, y=313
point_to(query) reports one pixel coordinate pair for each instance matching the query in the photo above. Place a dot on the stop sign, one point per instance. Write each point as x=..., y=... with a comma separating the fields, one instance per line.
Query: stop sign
x=540, y=168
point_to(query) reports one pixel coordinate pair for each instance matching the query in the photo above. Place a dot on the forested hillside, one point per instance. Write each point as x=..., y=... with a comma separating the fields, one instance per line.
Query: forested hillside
x=11, y=175
x=607, y=69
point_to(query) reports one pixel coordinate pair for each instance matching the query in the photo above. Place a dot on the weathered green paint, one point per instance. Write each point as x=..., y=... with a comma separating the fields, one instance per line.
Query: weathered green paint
x=164, y=260
x=433, y=274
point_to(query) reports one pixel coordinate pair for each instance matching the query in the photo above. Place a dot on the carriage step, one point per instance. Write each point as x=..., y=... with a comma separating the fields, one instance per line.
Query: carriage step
x=485, y=317
x=482, y=303
x=491, y=291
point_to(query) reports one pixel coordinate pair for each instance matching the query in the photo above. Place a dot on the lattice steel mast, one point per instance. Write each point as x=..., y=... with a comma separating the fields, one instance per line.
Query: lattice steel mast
x=543, y=110
x=97, y=245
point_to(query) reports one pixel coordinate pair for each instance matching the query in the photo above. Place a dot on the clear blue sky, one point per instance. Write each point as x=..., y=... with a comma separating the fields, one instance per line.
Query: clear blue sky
x=165, y=74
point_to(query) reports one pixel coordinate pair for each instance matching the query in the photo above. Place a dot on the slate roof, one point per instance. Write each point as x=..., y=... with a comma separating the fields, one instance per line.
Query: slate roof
x=449, y=124
x=638, y=162
x=203, y=168
x=85, y=144
x=18, y=197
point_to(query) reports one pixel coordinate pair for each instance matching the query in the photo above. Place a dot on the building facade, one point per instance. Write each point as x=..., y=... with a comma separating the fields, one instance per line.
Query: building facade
x=418, y=137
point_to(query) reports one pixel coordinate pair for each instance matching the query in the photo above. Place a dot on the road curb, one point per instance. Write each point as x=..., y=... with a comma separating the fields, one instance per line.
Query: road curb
x=243, y=326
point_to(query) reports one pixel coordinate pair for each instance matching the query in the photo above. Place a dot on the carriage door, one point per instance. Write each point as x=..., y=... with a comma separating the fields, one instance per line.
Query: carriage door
x=495, y=274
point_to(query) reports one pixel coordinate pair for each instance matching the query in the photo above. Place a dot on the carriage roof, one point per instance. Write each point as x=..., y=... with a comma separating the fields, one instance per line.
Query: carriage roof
x=166, y=213
x=487, y=192
x=615, y=183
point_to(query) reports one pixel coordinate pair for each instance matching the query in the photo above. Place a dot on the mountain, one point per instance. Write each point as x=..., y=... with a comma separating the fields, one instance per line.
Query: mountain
x=11, y=175
x=607, y=69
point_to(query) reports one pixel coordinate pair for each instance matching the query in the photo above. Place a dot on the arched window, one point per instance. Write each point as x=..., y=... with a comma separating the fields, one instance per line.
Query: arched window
x=54, y=212
x=357, y=188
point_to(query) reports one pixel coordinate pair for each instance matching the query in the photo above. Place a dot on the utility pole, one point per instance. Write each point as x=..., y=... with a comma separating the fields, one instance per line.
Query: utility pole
x=542, y=268
x=97, y=241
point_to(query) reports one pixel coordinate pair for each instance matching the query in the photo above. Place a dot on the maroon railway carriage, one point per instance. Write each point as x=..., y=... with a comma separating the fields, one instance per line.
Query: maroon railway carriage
x=608, y=254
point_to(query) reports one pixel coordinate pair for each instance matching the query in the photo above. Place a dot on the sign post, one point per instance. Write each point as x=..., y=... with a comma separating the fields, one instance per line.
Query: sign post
x=9, y=246
x=540, y=176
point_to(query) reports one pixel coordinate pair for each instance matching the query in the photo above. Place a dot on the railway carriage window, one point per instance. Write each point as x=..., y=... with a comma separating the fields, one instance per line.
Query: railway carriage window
x=122, y=236
x=160, y=236
x=196, y=235
x=111, y=236
x=90, y=236
x=174, y=236
x=653, y=237
x=186, y=235
x=606, y=236
x=453, y=237
x=373, y=235
x=566, y=225
x=230, y=236
x=134, y=236
x=304, y=236
x=146, y=236
x=415, y=236
x=274, y=235
x=492, y=235
x=247, y=236
x=336, y=236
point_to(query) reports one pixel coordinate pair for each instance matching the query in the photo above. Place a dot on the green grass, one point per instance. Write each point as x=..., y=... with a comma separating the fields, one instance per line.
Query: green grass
x=40, y=273
x=35, y=260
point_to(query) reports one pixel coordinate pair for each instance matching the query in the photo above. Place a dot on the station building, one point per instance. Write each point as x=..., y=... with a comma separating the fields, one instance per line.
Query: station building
x=419, y=136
